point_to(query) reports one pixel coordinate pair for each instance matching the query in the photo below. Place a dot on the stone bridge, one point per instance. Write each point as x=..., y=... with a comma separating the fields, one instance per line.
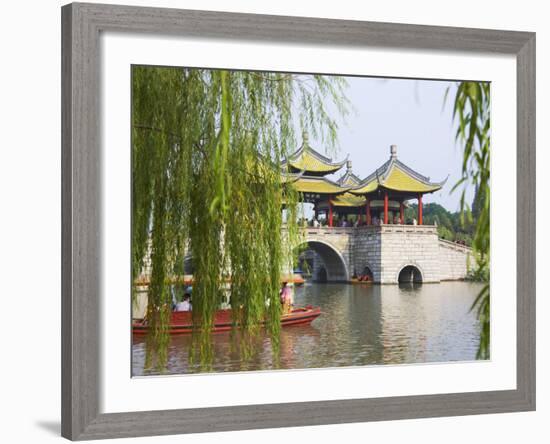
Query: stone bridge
x=389, y=253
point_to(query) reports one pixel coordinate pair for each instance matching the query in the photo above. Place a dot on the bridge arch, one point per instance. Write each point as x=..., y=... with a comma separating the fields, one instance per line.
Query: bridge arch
x=410, y=273
x=334, y=264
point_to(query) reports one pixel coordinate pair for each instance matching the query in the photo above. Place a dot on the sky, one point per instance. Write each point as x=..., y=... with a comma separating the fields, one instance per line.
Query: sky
x=410, y=114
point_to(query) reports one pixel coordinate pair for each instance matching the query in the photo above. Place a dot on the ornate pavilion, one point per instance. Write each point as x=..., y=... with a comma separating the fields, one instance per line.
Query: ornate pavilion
x=380, y=198
x=310, y=168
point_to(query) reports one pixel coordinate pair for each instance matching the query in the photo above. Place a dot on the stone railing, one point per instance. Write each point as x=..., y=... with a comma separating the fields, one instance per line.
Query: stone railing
x=328, y=230
x=389, y=228
x=375, y=228
x=420, y=229
x=455, y=246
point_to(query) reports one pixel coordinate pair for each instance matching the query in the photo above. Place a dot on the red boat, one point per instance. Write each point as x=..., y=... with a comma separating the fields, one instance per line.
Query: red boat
x=181, y=321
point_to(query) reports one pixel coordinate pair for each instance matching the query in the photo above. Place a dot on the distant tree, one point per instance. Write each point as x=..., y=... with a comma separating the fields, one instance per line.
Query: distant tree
x=445, y=233
x=464, y=237
x=449, y=224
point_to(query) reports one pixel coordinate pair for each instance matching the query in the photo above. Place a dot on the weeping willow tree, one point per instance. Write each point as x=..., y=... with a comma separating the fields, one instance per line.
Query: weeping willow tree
x=472, y=111
x=207, y=146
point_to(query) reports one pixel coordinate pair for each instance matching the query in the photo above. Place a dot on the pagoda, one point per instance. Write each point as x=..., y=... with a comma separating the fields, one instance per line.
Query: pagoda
x=390, y=186
x=309, y=168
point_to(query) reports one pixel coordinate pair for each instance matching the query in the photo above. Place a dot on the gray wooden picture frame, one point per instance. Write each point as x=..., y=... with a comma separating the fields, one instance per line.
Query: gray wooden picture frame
x=81, y=206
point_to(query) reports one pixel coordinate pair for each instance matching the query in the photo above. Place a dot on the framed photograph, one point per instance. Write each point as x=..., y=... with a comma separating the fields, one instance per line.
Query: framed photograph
x=278, y=221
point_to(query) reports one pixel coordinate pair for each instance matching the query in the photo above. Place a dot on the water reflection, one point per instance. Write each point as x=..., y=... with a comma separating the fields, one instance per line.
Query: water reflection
x=360, y=325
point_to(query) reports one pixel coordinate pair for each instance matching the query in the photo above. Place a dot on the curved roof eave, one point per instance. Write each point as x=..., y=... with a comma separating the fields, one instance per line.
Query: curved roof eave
x=297, y=160
x=319, y=185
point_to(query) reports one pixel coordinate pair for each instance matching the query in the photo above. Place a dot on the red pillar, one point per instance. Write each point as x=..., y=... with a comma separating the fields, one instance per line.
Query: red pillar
x=420, y=209
x=402, y=213
x=330, y=211
x=386, y=207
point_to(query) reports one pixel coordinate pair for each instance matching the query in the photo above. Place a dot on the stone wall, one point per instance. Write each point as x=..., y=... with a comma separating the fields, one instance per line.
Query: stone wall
x=367, y=251
x=404, y=245
x=453, y=260
x=333, y=248
x=387, y=249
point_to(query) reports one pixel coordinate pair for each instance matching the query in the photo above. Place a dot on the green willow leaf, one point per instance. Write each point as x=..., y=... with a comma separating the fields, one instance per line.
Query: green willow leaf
x=472, y=108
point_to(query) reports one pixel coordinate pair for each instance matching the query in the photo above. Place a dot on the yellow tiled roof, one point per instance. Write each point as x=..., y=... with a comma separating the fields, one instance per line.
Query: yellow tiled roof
x=399, y=180
x=349, y=178
x=396, y=176
x=316, y=185
x=309, y=160
x=309, y=163
x=290, y=177
x=369, y=187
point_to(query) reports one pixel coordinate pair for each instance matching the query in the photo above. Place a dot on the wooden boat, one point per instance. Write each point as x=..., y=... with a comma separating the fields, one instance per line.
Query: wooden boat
x=181, y=321
x=297, y=279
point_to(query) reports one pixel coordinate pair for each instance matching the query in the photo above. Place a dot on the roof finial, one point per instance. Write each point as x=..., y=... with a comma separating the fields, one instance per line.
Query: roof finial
x=393, y=151
x=348, y=165
x=305, y=137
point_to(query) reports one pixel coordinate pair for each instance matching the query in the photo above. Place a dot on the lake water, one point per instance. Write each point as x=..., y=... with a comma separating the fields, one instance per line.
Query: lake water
x=360, y=325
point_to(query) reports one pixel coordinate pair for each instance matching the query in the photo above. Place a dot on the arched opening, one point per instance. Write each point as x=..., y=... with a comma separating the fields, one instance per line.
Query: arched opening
x=330, y=266
x=410, y=275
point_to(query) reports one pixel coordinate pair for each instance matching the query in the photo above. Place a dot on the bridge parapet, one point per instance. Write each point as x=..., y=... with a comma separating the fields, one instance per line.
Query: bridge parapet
x=454, y=260
x=329, y=231
x=453, y=245
x=391, y=228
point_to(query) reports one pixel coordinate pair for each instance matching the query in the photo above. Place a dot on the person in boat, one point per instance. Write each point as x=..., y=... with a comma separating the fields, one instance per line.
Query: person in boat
x=185, y=304
x=286, y=298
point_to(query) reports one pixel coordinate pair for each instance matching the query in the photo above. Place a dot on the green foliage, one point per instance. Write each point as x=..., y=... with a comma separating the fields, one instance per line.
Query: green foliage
x=472, y=111
x=206, y=152
x=463, y=237
x=451, y=226
x=445, y=233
